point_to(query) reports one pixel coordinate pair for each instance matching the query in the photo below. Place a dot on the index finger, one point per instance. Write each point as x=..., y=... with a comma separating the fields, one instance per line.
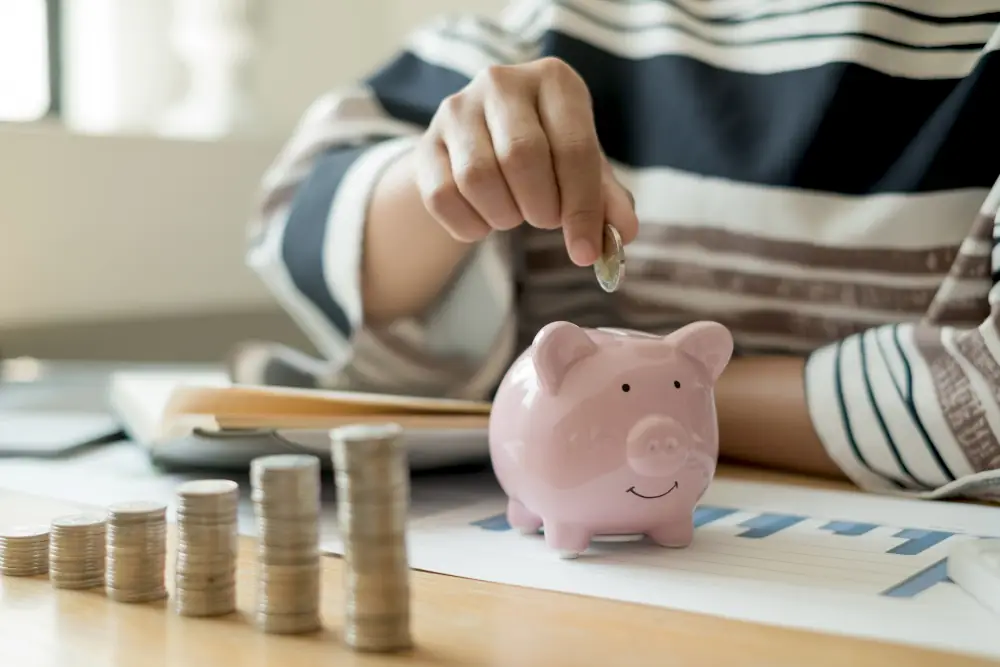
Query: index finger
x=564, y=108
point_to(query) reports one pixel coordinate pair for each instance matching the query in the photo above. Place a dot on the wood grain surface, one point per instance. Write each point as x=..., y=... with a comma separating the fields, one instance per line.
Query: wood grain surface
x=457, y=623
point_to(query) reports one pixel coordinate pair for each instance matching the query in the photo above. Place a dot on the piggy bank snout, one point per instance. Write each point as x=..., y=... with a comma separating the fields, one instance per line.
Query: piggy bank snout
x=657, y=446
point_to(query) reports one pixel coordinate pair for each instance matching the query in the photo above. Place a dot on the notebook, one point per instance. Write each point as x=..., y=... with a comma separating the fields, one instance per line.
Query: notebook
x=203, y=419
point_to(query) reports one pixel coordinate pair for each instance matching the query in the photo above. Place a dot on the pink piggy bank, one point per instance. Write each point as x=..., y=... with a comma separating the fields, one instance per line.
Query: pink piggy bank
x=602, y=432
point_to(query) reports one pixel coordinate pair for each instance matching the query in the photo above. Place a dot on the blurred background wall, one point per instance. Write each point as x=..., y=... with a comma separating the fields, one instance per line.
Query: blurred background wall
x=132, y=137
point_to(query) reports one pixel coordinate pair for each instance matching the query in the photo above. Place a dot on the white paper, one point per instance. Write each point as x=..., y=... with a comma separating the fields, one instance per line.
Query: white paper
x=888, y=582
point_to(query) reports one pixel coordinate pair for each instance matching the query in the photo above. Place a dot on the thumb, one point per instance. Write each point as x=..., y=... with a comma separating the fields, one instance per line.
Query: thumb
x=619, y=207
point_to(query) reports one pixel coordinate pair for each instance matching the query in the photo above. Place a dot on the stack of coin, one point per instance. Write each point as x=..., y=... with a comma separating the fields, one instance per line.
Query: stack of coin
x=136, y=552
x=76, y=551
x=373, y=489
x=286, y=498
x=207, y=534
x=24, y=550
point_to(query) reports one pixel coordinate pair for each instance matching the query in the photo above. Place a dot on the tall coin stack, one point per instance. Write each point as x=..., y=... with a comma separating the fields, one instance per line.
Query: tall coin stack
x=76, y=551
x=24, y=551
x=373, y=489
x=207, y=534
x=286, y=498
x=136, y=552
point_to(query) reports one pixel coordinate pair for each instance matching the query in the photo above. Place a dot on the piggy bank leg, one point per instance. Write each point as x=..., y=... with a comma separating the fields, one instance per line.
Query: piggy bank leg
x=520, y=518
x=570, y=541
x=676, y=534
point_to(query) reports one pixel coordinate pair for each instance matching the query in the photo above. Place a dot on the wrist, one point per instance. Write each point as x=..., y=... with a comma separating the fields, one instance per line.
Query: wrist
x=764, y=418
x=408, y=256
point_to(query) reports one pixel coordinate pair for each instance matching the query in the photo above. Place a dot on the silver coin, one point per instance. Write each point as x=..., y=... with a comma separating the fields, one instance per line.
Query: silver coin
x=138, y=509
x=382, y=635
x=23, y=533
x=78, y=523
x=372, y=480
x=610, y=266
x=208, y=488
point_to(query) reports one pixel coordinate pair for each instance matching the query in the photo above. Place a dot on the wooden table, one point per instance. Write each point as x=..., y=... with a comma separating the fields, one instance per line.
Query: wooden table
x=457, y=623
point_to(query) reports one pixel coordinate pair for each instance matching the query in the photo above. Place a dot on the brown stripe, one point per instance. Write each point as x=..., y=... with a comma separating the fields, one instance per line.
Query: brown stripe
x=360, y=377
x=965, y=267
x=971, y=267
x=975, y=267
x=379, y=362
x=945, y=311
x=635, y=312
x=817, y=329
x=973, y=347
x=868, y=297
x=962, y=409
x=961, y=313
x=982, y=227
x=926, y=261
x=383, y=344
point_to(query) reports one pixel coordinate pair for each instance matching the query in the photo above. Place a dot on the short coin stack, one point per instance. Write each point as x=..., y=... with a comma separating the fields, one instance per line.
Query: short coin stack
x=207, y=534
x=77, y=551
x=286, y=498
x=136, y=551
x=373, y=490
x=24, y=551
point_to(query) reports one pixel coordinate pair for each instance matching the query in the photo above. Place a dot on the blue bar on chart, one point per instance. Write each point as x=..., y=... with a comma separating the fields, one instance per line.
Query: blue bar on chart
x=765, y=525
x=849, y=528
x=704, y=515
x=918, y=541
x=921, y=581
x=496, y=523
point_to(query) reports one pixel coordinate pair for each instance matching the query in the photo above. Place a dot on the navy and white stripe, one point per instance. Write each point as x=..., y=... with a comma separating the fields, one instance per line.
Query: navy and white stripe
x=815, y=174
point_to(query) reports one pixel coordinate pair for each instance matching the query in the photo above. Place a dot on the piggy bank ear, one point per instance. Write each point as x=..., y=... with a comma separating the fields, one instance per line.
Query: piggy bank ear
x=708, y=343
x=557, y=347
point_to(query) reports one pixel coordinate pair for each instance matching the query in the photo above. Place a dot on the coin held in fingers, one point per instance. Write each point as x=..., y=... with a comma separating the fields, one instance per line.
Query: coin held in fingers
x=610, y=266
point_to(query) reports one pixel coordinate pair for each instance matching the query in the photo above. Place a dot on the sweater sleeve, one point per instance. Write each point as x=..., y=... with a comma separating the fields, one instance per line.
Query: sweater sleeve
x=306, y=242
x=915, y=408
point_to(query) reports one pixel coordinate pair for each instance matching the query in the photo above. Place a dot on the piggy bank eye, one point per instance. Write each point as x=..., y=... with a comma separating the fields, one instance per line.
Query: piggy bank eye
x=677, y=384
x=625, y=387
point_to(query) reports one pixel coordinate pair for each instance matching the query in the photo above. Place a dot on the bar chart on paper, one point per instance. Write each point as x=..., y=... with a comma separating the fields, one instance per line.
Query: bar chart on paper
x=836, y=562
x=795, y=549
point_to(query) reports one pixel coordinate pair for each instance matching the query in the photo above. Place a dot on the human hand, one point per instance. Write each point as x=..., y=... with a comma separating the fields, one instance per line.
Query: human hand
x=518, y=145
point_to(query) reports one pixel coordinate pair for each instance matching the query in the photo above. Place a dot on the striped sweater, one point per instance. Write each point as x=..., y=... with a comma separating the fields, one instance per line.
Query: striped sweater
x=821, y=176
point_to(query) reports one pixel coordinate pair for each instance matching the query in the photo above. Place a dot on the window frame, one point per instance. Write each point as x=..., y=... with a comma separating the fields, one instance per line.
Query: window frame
x=54, y=44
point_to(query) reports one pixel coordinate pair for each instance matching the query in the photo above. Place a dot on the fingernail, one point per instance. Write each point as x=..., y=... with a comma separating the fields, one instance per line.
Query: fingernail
x=583, y=252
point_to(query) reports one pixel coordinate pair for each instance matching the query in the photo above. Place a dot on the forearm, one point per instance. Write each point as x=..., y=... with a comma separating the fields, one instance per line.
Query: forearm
x=408, y=256
x=764, y=420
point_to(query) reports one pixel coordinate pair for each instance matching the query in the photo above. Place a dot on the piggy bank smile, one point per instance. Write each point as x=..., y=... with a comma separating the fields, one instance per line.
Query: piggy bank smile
x=585, y=414
x=632, y=490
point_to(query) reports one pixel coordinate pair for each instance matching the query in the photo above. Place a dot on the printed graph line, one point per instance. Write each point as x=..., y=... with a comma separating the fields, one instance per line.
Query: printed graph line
x=849, y=528
x=761, y=526
x=918, y=541
x=765, y=525
x=496, y=523
x=921, y=581
x=704, y=515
